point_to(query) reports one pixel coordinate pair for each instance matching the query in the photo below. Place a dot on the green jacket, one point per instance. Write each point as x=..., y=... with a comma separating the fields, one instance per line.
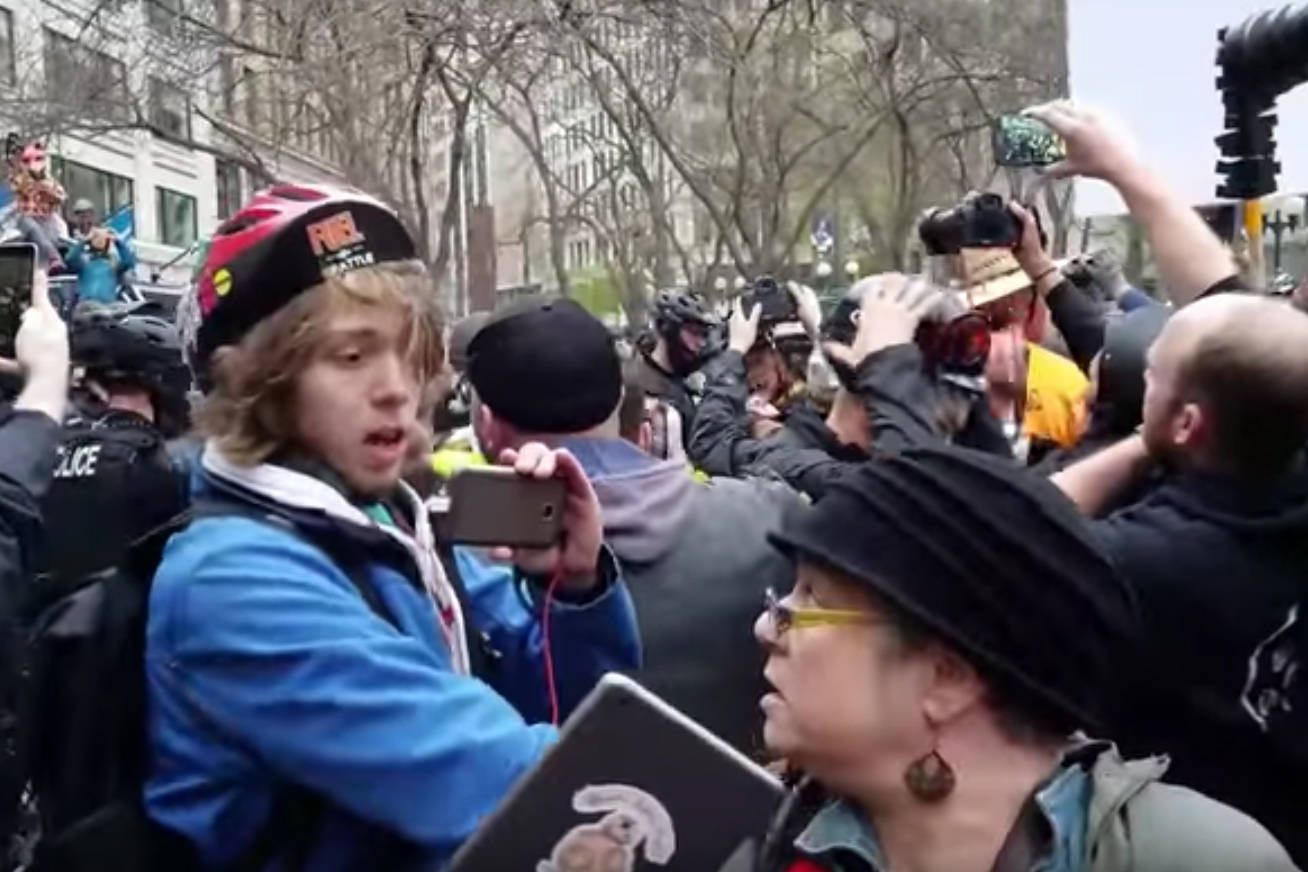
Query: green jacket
x=1133, y=823
x=1138, y=824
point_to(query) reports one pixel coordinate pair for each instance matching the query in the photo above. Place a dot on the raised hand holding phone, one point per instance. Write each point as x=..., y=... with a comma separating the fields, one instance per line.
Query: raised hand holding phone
x=1096, y=147
x=18, y=266
x=1025, y=141
x=41, y=349
x=575, y=557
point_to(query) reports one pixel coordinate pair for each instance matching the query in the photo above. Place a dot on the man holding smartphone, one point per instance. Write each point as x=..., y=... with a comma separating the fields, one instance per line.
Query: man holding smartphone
x=29, y=432
x=695, y=555
x=308, y=657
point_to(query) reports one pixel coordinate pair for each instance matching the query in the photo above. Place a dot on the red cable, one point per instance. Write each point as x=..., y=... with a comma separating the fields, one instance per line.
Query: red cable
x=550, y=686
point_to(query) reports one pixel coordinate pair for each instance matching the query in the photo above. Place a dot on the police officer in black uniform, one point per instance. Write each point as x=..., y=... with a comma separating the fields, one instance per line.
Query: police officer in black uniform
x=114, y=480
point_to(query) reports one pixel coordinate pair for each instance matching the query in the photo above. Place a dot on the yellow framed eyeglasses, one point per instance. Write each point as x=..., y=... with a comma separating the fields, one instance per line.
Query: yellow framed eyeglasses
x=785, y=617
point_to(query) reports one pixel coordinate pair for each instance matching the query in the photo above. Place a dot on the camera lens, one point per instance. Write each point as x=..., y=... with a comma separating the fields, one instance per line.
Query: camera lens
x=941, y=231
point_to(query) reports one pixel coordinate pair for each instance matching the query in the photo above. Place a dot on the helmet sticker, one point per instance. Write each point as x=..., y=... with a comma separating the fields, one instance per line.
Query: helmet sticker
x=222, y=282
x=338, y=244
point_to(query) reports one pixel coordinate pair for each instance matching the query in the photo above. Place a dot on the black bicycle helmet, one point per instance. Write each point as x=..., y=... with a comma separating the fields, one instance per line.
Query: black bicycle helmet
x=677, y=308
x=133, y=344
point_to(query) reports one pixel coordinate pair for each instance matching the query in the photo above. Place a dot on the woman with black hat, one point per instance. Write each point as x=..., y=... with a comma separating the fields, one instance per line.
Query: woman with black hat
x=951, y=630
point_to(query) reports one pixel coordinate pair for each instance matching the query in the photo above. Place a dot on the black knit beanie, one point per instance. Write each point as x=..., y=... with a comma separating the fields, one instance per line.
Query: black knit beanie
x=546, y=366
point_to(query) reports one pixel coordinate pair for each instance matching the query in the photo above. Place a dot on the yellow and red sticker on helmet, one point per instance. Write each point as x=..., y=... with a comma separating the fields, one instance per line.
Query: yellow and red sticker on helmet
x=222, y=282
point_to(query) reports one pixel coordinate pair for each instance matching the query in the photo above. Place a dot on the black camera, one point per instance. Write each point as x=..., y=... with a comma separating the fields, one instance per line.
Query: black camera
x=775, y=303
x=980, y=221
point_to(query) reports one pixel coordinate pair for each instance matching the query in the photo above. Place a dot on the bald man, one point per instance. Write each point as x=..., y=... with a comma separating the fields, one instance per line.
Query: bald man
x=1218, y=554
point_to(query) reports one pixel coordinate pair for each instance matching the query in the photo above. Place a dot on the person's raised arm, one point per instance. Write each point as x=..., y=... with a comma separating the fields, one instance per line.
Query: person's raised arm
x=1190, y=258
x=1075, y=315
x=126, y=257
x=721, y=422
x=901, y=398
x=28, y=437
x=809, y=309
x=41, y=349
x=1097, y=482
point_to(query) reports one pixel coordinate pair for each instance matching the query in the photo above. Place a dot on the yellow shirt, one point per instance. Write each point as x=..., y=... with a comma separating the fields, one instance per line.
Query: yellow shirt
x=1055, y=398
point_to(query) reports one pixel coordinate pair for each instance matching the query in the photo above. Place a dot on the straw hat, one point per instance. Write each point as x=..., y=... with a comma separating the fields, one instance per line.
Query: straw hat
x=990, y=274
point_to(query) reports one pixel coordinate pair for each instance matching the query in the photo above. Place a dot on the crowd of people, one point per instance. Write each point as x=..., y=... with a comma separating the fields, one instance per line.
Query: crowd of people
x=1000, y=568
x=92, y=261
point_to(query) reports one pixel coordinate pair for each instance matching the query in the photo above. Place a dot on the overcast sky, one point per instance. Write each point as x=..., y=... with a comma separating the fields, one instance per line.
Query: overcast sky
x=1153, y=63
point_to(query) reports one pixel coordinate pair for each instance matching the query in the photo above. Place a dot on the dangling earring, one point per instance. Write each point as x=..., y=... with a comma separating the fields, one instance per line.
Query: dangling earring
x=930, y=777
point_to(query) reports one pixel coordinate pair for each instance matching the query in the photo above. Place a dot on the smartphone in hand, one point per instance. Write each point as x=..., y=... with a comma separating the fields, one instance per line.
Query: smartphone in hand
x=17, y=276
x=493, y=505
x=1021, y=141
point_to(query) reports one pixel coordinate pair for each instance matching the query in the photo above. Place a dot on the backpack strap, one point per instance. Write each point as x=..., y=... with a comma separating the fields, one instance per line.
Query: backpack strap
x=484, y=659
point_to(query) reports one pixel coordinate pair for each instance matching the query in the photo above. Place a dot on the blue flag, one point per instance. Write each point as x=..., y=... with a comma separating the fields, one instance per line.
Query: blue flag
x=123, y=223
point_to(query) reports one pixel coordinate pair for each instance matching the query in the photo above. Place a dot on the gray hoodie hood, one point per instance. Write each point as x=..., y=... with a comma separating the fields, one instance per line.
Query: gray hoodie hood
x=645, y=501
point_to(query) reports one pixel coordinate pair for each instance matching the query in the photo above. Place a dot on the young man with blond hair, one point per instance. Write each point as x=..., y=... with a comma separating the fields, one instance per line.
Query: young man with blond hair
x=375, y=702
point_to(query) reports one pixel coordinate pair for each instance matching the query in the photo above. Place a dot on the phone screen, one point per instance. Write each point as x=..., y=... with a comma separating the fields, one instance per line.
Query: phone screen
x=1020, y=141
x=17, y=268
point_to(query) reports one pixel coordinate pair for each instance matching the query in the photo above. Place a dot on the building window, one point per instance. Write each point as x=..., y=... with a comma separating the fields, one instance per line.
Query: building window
x=162, y=14
x=170, y=109
x=107, y=192
x=176, y=217
x=89, y=76
x=108, y=83
x=60, y=63
x=8, y=73
x=228, y=178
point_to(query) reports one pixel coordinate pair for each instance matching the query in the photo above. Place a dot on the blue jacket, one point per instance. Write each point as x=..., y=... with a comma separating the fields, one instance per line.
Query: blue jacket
x=265, y=667
x=98, y=276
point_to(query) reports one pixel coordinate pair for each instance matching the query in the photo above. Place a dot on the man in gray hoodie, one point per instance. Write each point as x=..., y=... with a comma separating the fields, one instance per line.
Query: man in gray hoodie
x=694, y=554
